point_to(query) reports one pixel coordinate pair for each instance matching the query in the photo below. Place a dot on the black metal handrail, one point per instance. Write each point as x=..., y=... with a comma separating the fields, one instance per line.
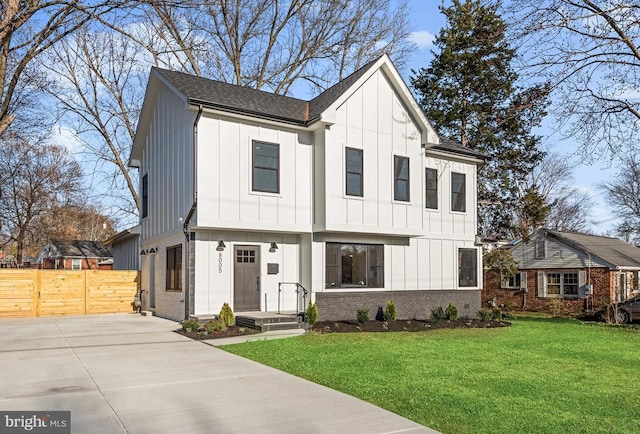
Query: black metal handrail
x=298, y=288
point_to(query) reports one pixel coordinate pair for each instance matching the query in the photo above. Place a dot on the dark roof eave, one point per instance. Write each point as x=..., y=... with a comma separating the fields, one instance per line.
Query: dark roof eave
x=259, y=115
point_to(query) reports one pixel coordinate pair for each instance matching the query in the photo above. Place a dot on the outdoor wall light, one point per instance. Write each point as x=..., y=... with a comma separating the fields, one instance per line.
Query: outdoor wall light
x=273, y=247
x=221, y=246
x=153, y=251
x=143, y=252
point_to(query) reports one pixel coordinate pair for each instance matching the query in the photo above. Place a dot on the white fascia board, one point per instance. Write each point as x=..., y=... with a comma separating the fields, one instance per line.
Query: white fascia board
x=451, y=156
x=258, y=120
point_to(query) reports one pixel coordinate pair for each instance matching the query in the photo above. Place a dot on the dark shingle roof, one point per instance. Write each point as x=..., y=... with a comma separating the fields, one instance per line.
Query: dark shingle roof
x=82, y=248
x=452, y=146
x=613, y=250
x=266, y=105
x=230, y=97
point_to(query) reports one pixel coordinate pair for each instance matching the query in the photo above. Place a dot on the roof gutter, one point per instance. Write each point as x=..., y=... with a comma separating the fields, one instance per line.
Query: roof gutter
x=185, y=226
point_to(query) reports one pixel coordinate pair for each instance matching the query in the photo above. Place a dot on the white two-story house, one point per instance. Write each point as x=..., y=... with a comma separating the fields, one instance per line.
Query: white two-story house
x=248, y=197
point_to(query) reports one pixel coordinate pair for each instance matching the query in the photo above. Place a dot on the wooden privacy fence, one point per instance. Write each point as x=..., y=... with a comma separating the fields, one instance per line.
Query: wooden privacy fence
x=28, y=293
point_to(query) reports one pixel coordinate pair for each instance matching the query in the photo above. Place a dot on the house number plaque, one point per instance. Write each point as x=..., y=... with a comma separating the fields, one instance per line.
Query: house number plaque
x=220, y=262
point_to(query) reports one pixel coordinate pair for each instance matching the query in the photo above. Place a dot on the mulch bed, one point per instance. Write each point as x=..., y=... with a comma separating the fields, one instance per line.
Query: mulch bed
x=229, y=333
x=413, y=325
x=403, y=325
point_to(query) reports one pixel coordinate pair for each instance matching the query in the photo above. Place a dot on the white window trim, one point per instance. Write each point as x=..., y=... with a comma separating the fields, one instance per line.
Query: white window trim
x=78, y=262
x=393, y=178
x=562, y=295
x=250, y=166
x=344, y=173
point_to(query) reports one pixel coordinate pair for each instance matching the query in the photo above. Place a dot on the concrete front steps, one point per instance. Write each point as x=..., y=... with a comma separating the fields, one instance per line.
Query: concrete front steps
x=269, y=321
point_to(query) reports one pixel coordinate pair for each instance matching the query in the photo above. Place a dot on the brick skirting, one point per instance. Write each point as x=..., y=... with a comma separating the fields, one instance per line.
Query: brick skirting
x=336, y=306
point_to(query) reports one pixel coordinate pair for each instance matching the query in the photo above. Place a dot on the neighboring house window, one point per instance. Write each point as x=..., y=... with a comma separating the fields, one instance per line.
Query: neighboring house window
x=354, y=265
x=468, y=267
x=266, y=167
x=517, y=281
x=145, y=196
x=540, y=247
x=76, y=264
x=401, y=178
x=562, y=284
x=458, y=192
x=174, y=268
x=353, y=169
x=431, y=176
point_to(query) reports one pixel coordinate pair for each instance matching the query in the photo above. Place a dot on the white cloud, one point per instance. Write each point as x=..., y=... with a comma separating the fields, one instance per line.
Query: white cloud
x=422, y=39
x=64, y=136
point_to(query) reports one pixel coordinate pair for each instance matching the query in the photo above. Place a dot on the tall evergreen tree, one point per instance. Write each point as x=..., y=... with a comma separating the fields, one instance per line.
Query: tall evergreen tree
x=470, y=94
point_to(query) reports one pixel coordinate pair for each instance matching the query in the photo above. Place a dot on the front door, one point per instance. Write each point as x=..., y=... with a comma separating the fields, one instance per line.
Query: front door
x=246, y=273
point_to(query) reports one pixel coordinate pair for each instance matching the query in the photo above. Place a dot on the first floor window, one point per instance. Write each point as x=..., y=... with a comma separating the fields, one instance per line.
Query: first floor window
x=266, y=167
x=514, y=281
x=354, y=265
x=468, y=268
x=174, y=268
x=562, y=284
x=76, y=264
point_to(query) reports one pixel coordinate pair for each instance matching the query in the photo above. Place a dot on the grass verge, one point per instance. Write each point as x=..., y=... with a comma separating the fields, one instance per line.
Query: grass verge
x=538, y=376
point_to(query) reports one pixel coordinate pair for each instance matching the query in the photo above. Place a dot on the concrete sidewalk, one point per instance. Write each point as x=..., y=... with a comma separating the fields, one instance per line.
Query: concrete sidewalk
x=125, y=373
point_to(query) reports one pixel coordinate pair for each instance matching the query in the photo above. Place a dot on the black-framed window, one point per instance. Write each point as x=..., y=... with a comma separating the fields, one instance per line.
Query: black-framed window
x=401, y=178
x=145, y=195
x=174, y=268
x=458, y=192
x=353, y=171
x=431, y=188
x=266, y=167
x=467, y=268
x=354, y=265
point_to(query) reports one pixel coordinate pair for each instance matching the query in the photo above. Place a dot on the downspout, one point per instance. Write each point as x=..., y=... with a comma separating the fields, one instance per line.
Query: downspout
x=185, y=226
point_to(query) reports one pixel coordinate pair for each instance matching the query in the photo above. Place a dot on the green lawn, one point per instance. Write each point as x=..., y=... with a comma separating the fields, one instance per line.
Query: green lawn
x=538, y=376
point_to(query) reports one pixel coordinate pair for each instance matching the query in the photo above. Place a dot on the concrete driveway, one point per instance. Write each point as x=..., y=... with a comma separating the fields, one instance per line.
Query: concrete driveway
x=125, y=373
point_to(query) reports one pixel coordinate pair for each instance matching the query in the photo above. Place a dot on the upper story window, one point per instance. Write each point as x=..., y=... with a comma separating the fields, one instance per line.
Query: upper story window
x=431, y=176
x=145, y=195
x=540, y=249
x=401, y=178
x=467, y=267
x=266, y=167
x=353, y=169
x=458, y=192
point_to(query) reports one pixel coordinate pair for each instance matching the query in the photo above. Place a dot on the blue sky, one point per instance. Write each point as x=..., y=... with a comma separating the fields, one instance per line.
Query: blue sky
x=427, y=22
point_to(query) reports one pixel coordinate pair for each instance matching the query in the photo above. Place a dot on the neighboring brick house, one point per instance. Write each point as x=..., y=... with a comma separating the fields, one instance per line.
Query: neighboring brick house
x=579, y=271
x=75, y=255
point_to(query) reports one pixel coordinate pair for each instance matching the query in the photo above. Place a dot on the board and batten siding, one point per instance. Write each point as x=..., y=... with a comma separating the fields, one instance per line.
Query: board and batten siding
x=558, y=255
x=126, y=254
x=375, y=120
x=225, y=196
x=214, y=280
x=443, y=222
x=168, y=162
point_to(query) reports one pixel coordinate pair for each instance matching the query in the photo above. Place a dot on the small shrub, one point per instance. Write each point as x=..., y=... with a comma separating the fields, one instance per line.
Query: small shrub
x=215, y=326
x=363, y=315
x=484, y=314
x=390, y=313
x=312, y=314
x=226, y=315
x=496, y=313
x=451, y=312
x=241, y=330
x=555, y=307
x=385, y=325
x=190, y=325
x=437, y=313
